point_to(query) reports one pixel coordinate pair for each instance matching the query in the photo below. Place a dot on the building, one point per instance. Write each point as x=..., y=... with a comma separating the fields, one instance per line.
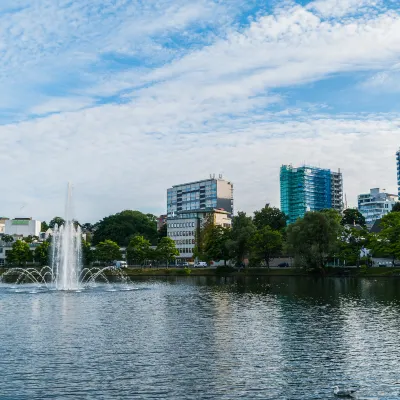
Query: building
x=161, y=221
x=398, y=173
x=184, y=227
x=2, y=225
x=22, y=227
x=204, y=195
x=375, y=204
x=309, y=189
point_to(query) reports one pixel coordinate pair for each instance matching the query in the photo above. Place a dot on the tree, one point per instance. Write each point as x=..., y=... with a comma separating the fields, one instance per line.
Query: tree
x=56, y=221
x=162, y=232
x=7, y=238
x=138, y=250
x=30, y=239
x=121, y=227
x=353, y=240
x=87, y=227
x=266, y=244
x=108, y=251
x=88, y=255
x=41, y=253
x=388, y=239
x=270, y=216
x=166, y=250
x=216, y=244
x=313, y=238
x=241, y=234
x=20, y=253
x=44, y=227
x=396, y=207
x=352, y=216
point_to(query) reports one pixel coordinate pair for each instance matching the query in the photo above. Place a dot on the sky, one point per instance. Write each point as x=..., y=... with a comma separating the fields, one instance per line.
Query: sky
x=125, y=98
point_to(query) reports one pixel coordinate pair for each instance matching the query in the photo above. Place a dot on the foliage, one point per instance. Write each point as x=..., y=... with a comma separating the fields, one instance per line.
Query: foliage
x=162, y=232
x=352, y=242
x=352, y=216
x=41, y=253
x=138, y=250
x=121, y=227
x=270, y=216
x=30, y=239
x=56, y=220
x=19, y=254
x=44, y=227
x=184, y=271
x=7, y=238
x=396, y=207
x=313, y=238
x=388, y=239
x=266, y=244
x=224, y=270
x=166, y=249
x=108, y=251
x=88, y=255
x=240, y=237
x=215, y=243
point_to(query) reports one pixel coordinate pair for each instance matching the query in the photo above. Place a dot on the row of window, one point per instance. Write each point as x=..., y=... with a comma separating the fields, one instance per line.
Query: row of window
x=181, y=225
x=184, y=241
x=181, y=233
x=185, y=251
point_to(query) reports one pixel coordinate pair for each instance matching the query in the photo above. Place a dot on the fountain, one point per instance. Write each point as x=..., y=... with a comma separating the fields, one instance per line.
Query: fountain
x=66, y=247
x=65, y=271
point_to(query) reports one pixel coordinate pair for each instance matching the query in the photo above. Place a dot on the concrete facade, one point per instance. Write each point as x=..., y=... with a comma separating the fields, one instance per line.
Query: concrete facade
x=22, y=227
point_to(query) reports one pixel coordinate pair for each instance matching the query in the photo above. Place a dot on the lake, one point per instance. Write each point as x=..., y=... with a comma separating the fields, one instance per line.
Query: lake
x=202, y=338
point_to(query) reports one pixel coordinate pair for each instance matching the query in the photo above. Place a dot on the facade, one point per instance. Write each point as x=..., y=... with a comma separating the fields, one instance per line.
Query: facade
x=204, y=195
x=375, y=204
x=309, y=189
x=184, y=227
x=3, y=225
x=161, y=221
x=22, y=227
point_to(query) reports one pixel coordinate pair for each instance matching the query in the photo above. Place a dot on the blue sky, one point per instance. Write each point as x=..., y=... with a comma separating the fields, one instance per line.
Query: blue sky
x=126, y=98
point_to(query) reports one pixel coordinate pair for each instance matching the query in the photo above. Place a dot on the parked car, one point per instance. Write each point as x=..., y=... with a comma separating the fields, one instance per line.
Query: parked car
x=283, y=265
x=201, y=264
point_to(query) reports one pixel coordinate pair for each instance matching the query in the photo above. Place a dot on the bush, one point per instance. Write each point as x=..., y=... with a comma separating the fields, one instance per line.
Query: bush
x=224, y=270
x=185, y=271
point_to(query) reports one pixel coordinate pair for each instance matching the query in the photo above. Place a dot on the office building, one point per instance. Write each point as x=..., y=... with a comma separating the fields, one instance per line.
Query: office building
x=161, y=221
x=204, y=195
x=22, y=227
x=309, y=189
x=183, y=229
x=375, y=205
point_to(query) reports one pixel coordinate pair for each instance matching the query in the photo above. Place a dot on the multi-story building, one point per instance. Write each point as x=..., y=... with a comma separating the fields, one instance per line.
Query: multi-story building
x=22, y=227
x=204, y=195
x=375, y=204
x=398, y=173
x=3, y=225
x=161, y=221
x=184, y=227
x=309, y=189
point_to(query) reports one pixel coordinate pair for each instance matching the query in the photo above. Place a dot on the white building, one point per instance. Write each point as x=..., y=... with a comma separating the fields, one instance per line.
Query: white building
x=22, y=227
x=184, y=227
x=375, y=205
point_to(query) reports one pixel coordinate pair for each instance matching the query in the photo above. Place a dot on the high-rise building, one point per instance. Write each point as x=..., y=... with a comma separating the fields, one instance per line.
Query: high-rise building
x=207, y=194
x=309, y=189
x=398, y=173
x=375, y=205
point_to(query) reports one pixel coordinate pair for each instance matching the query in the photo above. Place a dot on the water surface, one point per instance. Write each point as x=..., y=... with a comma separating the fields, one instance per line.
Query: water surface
x=202, y=338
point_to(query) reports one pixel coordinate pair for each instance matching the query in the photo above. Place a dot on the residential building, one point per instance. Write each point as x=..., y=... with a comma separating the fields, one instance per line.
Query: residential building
x=207, y=194
x=375, y=204
x=309, y=188
x=22, y=227
x=184, y=227
x=161, y=221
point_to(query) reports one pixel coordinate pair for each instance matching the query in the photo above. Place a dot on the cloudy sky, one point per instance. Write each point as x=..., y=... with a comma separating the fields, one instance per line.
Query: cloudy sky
x=125, y=98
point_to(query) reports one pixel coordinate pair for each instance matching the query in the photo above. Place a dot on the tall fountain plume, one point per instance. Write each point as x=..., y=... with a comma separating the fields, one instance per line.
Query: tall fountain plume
x=66, y=249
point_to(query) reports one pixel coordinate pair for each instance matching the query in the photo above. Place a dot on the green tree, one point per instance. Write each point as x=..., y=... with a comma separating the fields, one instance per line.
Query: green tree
x=270, y=216
x=396, y=207
x=7, y=238
x=387, y=241
x=352, y=216
x=108, y=251
x=87, y=227
x=56, y=220
x=353, y=240
x=121, y=227
x=41, y=253
x=138, y=250
x=44, y=227
x=88, y=255
x=162, y=232
x=241, y=234
x=266, y=244
x=313, y=238
x=166, y=250
x=19, y=254
x=30, y=239
x=216, y=244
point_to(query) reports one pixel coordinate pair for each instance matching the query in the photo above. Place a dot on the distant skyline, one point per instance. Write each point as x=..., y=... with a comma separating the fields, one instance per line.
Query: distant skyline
x=126, y=98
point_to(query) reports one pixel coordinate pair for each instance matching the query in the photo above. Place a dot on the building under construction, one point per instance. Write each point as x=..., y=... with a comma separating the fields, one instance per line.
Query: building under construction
x=309, y=189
